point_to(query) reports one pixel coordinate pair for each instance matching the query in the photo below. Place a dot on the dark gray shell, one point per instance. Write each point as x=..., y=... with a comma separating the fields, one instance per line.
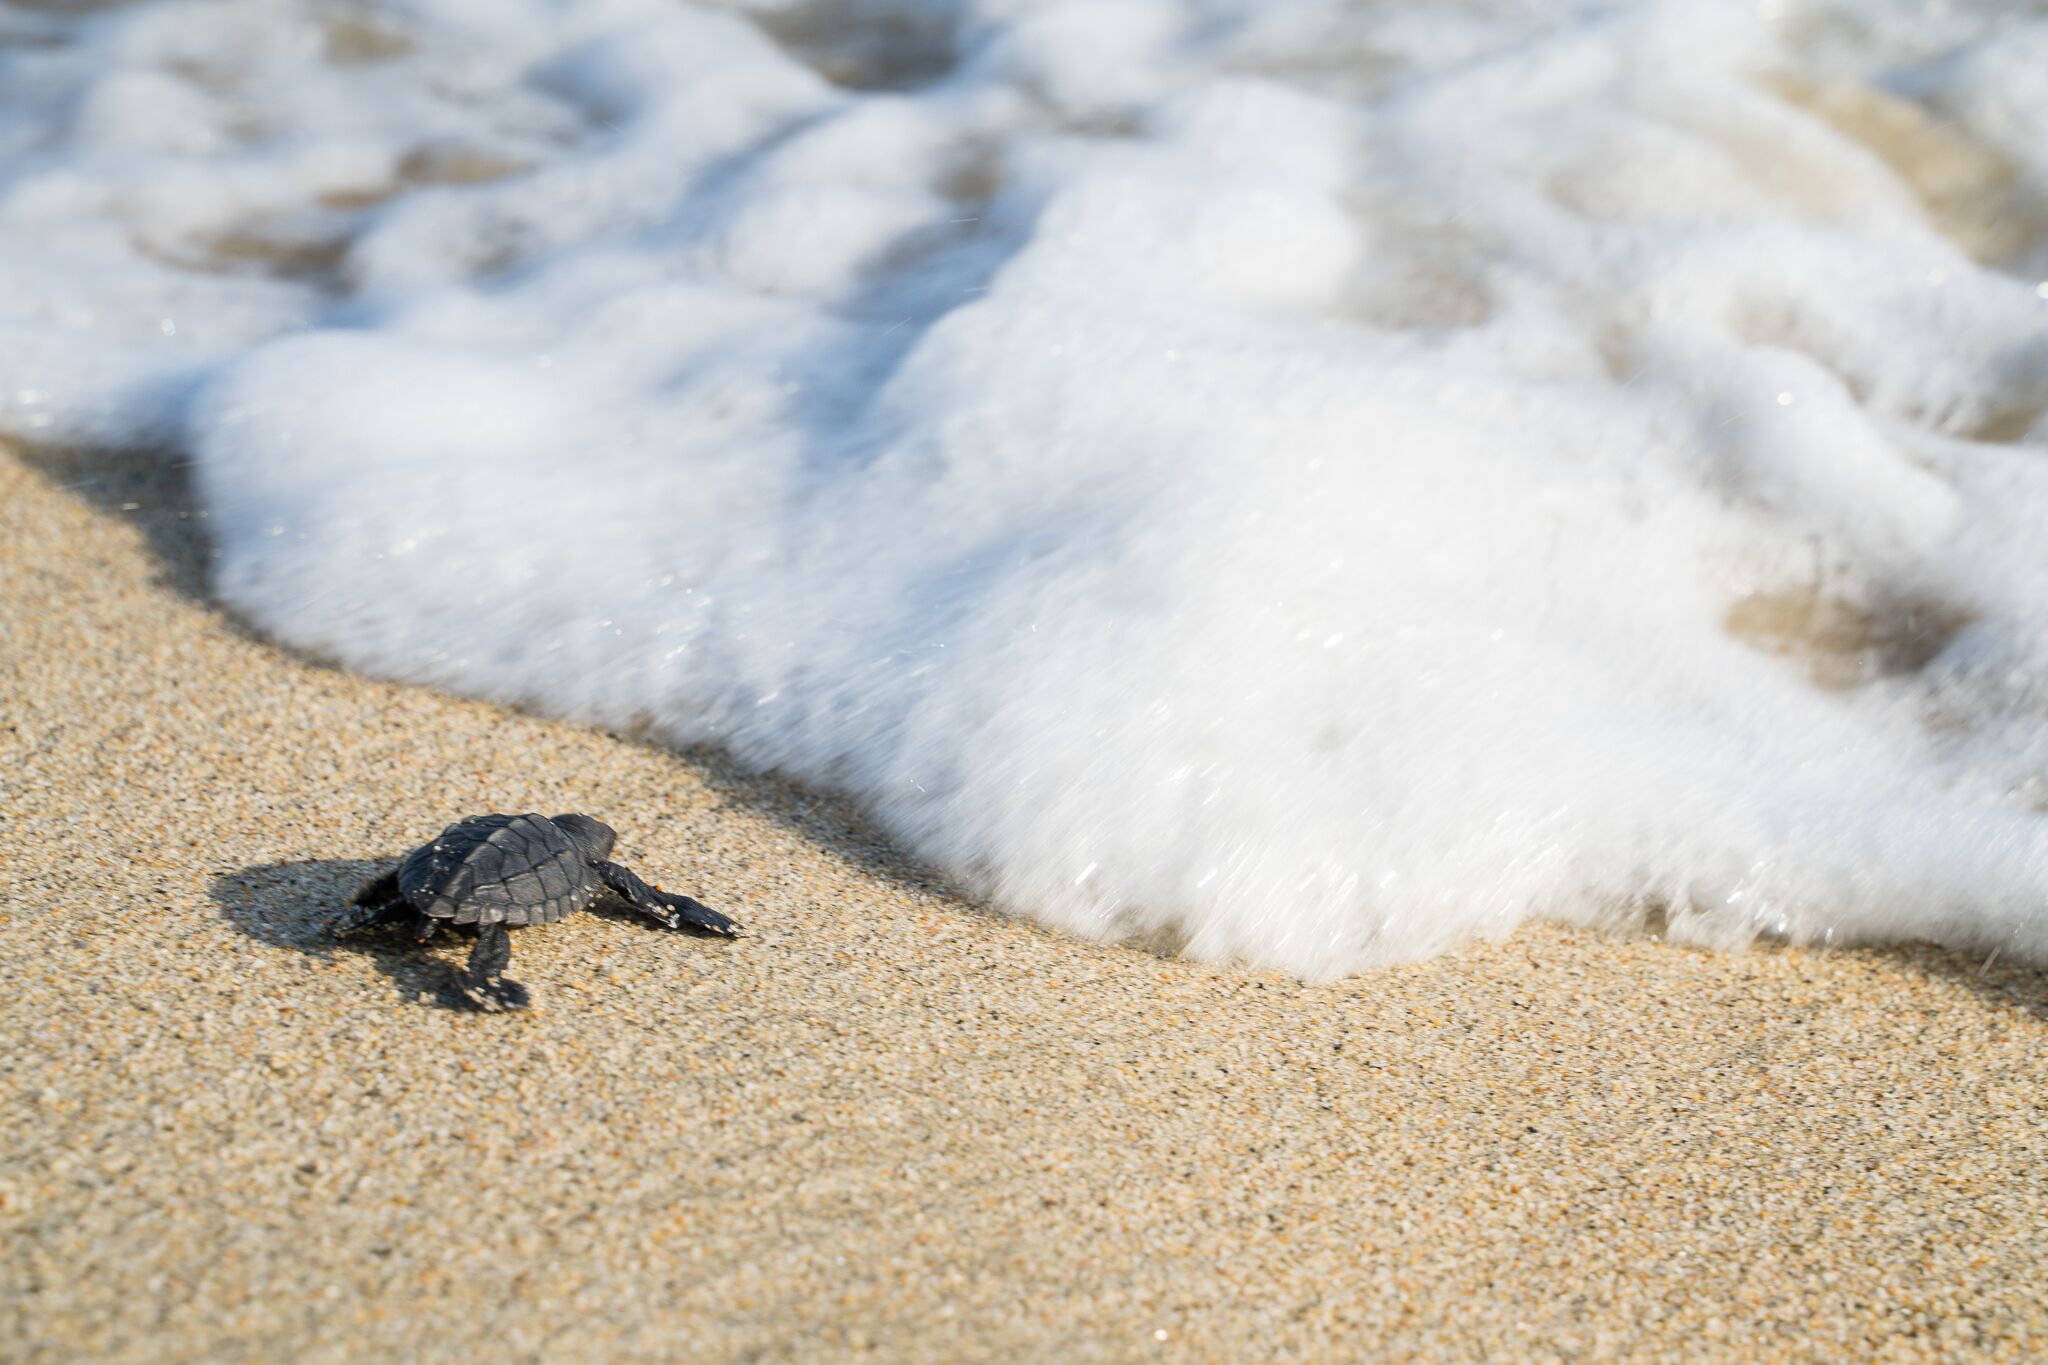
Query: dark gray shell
x=499, y=869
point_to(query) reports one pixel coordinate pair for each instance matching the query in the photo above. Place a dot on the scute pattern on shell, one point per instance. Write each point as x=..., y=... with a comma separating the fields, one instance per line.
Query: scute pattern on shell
x=499, y=869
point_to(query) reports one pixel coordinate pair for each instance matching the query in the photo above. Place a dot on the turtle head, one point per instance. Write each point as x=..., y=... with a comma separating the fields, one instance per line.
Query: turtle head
x=593, y=838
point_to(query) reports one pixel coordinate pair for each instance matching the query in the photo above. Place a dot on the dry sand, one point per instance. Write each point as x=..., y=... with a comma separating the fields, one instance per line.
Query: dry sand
x=889, y=1119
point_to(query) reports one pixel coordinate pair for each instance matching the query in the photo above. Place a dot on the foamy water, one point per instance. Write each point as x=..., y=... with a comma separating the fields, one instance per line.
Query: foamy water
x=1306, y=481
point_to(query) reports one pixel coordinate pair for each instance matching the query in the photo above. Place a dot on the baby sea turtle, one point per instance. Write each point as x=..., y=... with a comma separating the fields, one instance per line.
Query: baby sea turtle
x=499, y=870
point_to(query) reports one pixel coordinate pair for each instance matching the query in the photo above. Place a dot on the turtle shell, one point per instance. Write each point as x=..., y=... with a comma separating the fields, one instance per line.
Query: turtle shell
x=499, y=869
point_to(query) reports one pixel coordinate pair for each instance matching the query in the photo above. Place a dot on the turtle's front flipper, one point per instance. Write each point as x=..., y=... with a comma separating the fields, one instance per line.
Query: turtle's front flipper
x=484, y=983
x=375, y=904
x=677, y=912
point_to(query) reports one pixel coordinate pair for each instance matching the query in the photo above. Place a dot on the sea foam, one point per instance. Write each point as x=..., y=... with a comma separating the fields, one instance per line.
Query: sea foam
x=1306, y=482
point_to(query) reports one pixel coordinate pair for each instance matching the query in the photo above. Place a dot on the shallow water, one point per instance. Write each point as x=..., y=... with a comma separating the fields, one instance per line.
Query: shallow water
x=1304, y=482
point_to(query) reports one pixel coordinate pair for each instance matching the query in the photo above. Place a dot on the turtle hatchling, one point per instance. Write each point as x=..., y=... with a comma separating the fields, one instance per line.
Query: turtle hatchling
x=495, y=871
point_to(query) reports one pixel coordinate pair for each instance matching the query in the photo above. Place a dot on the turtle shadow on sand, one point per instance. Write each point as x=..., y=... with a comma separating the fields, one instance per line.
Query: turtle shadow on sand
x=295, y=905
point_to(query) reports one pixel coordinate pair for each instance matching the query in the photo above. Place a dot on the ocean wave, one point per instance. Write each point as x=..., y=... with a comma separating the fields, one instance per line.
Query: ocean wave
x=1304, y=483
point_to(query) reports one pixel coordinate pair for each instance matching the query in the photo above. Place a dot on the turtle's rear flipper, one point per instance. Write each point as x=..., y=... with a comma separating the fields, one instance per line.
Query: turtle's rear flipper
x=375, y=904
x=484, y=983
x=379, y=889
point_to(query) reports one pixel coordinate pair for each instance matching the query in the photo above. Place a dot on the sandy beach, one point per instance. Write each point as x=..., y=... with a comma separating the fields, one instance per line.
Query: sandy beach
x=888, y=1120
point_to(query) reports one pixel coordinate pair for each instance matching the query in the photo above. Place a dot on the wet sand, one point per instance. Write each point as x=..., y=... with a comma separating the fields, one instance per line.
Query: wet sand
x=889, y=1119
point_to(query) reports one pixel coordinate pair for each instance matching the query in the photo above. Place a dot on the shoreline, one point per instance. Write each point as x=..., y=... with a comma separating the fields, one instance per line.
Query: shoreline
x=887, y=1119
